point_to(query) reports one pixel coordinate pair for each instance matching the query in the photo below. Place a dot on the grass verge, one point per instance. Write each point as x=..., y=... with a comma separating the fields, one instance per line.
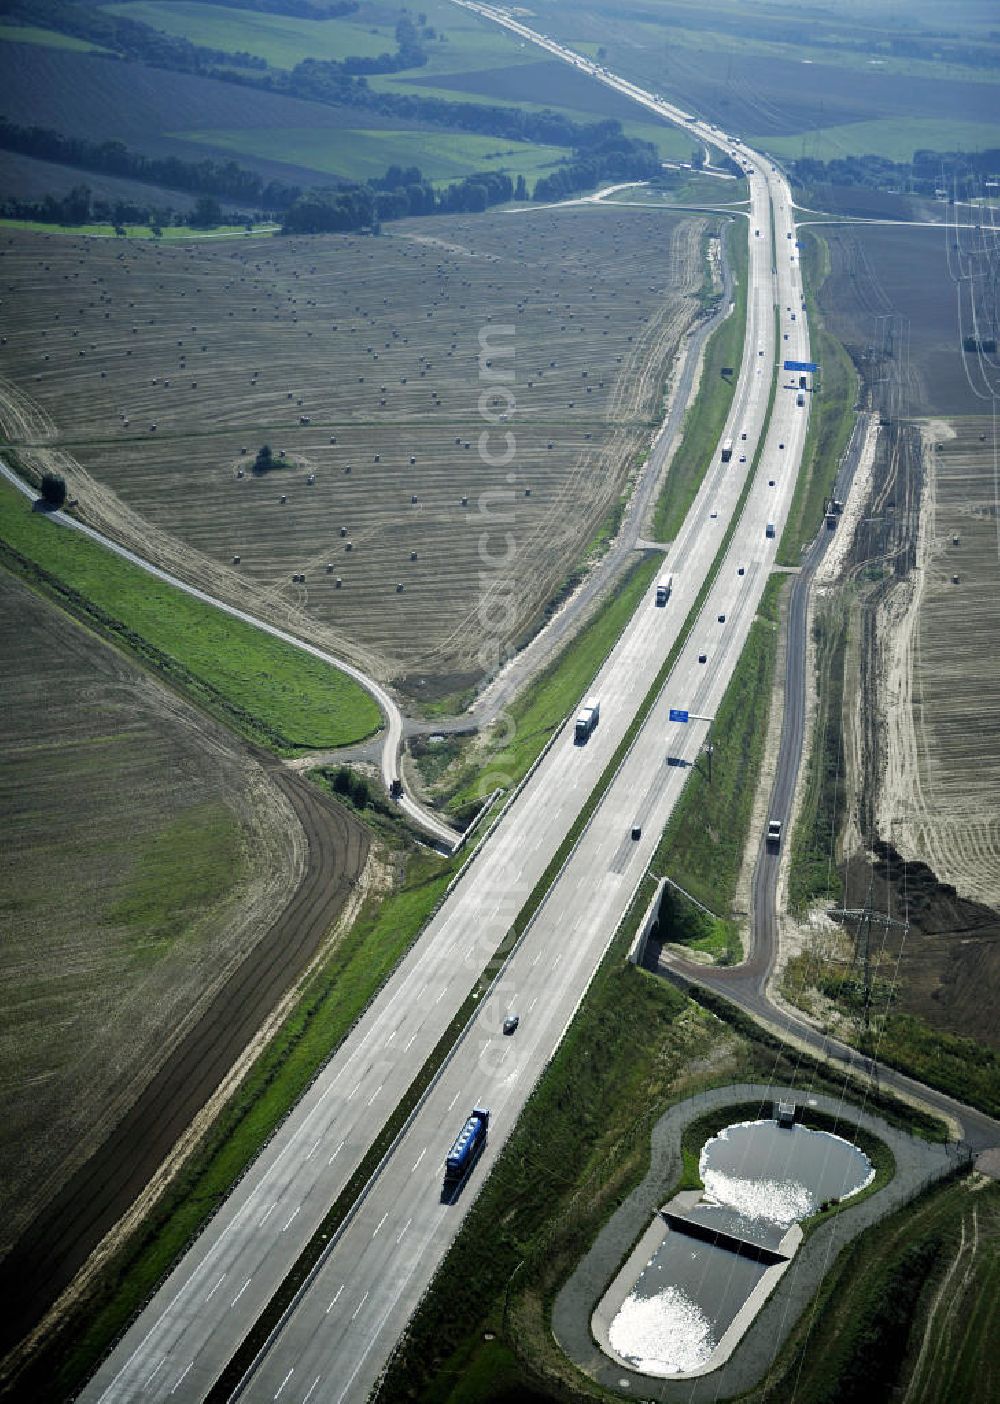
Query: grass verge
x=703, y=844
x=813, y=872
x=882, y=1298
x=962, y=1067
x=704, y=421
x=267, y=690
x=330, y=1004
x=831, y=416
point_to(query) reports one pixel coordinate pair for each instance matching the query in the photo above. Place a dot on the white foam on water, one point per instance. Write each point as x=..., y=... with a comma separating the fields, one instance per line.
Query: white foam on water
x=666, y=1334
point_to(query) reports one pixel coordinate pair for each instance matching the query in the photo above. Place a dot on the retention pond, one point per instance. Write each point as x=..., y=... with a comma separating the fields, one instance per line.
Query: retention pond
x=710, y=1259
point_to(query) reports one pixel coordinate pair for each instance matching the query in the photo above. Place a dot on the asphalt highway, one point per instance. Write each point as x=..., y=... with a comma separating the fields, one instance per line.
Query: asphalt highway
x=335, y=1341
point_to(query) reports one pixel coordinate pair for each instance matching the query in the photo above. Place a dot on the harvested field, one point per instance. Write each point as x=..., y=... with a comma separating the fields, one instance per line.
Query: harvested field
x=145, y=854
x=942, y=787
x=879, y=271
x=116, y=1080
x=376, y=345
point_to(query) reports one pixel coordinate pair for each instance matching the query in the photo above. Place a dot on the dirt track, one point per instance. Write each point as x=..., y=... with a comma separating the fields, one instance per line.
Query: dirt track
x=59, y=1240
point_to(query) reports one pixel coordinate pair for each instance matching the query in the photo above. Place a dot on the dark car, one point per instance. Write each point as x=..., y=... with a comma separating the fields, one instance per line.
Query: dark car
x=702, y=657
x=511, y=1022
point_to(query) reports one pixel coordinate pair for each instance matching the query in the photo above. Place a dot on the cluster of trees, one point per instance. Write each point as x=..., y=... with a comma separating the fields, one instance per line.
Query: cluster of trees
x=78, y=206
x=616, y=158
x=219, y=178
x=410, y=53
x=959, y=172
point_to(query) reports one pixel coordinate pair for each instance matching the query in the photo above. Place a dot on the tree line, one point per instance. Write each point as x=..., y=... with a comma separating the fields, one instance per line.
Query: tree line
x=219, y=178
x=961, y=173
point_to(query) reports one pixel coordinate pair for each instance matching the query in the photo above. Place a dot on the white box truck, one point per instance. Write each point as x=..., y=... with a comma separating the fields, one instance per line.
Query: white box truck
x=588, y=717
x=664, y=586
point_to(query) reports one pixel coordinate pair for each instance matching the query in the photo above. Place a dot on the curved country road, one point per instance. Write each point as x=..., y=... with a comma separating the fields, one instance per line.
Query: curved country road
x=394, y=722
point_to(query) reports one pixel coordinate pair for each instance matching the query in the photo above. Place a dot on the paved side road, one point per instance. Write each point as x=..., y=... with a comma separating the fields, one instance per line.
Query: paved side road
x=918, y=1163
x=394, y=722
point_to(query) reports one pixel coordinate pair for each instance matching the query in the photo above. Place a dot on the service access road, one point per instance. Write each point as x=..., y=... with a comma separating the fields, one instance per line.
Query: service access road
x=392, y=739
x=190, y=1330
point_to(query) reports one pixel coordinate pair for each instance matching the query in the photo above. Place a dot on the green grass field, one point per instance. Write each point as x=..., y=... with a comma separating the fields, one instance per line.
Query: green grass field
x=282, y=40
x=268, y=689
x=171, y=233
x=358, y=154
x=48, y=38
x=894, y=137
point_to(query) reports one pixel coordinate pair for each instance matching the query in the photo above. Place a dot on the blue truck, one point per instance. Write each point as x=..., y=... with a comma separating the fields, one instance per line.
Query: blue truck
x=468, y=1146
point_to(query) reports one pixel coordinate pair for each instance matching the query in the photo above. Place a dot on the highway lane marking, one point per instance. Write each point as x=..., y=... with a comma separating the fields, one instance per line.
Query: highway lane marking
x=391, y=1037
x=353, y=1090
x=284, y=1382
x=314, y=1148
x=156, y=1370
x=241, y=1291
x=406, y=1049
x=399, y=1236
x=440, y=996
x=308, y=1395
x=378, y=1089
x=420, y=1156
x=536, y=959
x=380, y=1223
x=181, y=1377
x=532, y=1004
x=454, y=1100
x=216, y=1288
x=360, y=1305
x=336, y=1153
x=292, y=1219
x=336, y=1299
x=267, y=1212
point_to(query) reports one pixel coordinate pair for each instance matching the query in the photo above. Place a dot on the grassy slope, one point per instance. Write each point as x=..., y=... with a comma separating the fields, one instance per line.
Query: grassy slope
x=813, y=872
x=704, y=421
x=268, y=689
x=48, y=38
x=354, y=153
x=330, y=1004
x=860, y=1340
x=831, y=415
x=702, y=847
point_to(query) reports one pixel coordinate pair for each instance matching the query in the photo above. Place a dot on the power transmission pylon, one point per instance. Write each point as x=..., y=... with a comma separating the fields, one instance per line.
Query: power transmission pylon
x=867, y=918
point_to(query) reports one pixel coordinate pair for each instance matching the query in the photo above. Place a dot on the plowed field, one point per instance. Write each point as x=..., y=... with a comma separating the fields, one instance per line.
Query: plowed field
x=144, y=854
x=376, y=344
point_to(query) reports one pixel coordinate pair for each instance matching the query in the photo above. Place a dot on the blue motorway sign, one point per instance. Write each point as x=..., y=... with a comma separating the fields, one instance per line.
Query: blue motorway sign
x=677, y=715
x=810, y=366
